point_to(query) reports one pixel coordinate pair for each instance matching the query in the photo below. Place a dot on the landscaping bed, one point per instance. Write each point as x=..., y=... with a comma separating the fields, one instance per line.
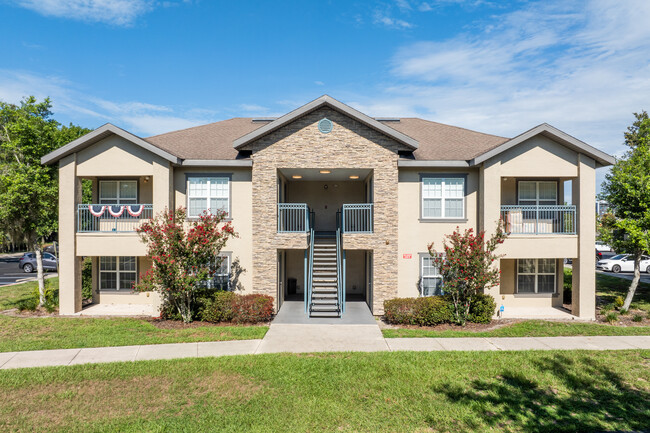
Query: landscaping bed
x=343, y=392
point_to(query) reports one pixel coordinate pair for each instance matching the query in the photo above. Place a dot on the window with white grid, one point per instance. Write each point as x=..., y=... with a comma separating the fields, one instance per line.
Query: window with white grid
x=208, y=193
x=118, y=191
x=117, y=273
x=443, y=197
x=537, y=193
x=536, y=275
x=430, y=278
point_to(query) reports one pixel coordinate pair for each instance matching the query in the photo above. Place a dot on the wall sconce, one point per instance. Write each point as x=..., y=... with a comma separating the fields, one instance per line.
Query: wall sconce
x=146, y=179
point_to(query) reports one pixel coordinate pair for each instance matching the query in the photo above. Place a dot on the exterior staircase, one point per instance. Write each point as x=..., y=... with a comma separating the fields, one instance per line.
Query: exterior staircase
x=325, y=285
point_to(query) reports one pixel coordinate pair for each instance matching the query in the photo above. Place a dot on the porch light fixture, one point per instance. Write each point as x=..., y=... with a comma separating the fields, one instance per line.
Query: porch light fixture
x=354, y=177
x=325, y=172
x=296, y=176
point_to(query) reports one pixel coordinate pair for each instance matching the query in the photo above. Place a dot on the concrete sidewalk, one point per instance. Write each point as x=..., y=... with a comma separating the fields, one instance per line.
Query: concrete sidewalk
x=311, y=338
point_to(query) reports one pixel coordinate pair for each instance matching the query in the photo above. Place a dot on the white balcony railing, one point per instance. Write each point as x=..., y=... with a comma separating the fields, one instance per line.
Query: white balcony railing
x=119, y=218
x=535, y=220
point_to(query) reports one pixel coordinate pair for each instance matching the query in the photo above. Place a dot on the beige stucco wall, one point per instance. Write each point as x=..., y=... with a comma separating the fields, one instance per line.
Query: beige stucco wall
x=539, y=157
x=349, y=145
x=110, y=244
x=241, y=202
x=414, y=234
x=545, y=246
x=115, y=156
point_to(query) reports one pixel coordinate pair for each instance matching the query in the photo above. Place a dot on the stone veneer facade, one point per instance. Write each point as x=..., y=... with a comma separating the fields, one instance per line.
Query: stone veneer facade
x=350, y=144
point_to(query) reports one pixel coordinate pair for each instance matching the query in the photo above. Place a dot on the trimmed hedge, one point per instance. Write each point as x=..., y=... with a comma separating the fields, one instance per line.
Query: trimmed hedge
x=231, y=307
x=434, y=310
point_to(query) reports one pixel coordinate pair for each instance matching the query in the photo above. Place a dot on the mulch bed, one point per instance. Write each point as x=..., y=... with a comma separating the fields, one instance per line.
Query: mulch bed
x=178, y=324
x=472, y=327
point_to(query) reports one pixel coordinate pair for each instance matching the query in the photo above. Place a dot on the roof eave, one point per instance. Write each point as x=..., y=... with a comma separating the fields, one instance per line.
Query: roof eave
x=601, y=158
x=333, y=103
x=405, y=163
x=100, y=133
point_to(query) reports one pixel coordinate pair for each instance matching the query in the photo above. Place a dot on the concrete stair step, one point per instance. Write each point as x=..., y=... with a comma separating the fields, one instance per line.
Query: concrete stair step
x=324, y=314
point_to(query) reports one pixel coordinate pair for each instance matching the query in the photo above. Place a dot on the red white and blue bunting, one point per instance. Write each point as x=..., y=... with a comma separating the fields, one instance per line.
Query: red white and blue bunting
x=116, y=211
x=135, y=210
x=96, y=210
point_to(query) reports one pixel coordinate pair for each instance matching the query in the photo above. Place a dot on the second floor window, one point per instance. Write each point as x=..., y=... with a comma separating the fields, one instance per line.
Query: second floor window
x=118, y=191
x=208, y=193
x=443, y=197
x=535, y=193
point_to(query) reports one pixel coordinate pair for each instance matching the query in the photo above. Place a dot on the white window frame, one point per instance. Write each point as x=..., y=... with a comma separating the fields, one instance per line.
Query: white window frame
x=537, y=200
x=118, y=199
x=443, y=199
x=536, y=274
x=227, y=262
x=436, y=275
x=210, y=178
x=117, y=273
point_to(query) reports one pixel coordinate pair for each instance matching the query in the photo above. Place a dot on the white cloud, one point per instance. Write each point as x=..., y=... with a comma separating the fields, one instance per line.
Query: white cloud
x=115, y=12
x=319, y=83
x=388, y=21
x=70, y=101
x=582, y=67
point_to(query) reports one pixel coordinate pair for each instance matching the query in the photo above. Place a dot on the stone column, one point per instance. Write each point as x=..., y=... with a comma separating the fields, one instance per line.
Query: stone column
x=69, y=263
x=584, y=266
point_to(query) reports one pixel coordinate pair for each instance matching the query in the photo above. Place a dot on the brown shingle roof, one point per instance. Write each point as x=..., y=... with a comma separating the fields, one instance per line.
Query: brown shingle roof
x=211, y=141
x=440, y=142
x=436, y=141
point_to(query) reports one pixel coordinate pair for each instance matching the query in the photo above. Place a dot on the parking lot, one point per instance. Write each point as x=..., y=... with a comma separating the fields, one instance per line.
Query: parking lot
x=10, y=273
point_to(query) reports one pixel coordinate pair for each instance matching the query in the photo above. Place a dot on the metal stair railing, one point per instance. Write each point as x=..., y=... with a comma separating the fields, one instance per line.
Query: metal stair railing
x=310, y=280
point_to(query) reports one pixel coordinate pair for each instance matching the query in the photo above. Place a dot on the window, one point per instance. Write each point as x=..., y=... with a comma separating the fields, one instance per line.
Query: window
x=118, y=191
x=221, y=279
x=208, y=194
x=537, y=193
x=443, y=197
x=117, y=273
x=536, y=275
x=430, y=278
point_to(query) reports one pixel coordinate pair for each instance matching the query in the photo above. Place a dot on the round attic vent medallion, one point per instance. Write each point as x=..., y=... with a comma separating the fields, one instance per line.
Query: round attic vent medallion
x=325, y=126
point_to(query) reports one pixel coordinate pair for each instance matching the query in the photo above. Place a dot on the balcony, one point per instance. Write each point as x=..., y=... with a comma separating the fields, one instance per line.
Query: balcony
x=299, y=218
x=111, y=218
x=539, y=220
x=356, y=218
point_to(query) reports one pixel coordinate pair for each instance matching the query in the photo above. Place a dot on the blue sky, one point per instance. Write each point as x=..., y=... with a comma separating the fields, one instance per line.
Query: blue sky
x=494, y=66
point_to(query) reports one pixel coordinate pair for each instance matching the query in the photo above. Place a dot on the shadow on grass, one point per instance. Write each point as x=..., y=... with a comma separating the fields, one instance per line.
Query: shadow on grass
x=577, y=395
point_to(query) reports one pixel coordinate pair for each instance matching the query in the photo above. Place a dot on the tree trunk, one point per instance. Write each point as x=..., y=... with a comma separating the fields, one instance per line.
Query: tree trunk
x=40, y=276
x=635, y=282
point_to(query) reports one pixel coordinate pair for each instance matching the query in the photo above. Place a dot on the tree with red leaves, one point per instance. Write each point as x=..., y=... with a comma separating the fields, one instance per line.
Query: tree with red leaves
x=184, y=255
x=467, y=266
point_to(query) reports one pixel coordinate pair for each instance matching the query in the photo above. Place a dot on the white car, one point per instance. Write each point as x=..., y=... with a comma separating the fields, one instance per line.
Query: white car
x=602, y=247
x=623, y=263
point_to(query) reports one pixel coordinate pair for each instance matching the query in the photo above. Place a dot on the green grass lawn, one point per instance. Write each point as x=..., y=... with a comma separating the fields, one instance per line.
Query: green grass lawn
x=11, y=296
x=343, y=392
x=38, y=333
x=528, y=328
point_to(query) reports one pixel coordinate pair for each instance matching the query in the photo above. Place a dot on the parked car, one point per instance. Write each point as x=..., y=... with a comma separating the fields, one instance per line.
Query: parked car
x=599, y=255
x=623, y=262
x=601, y=246
x=28, y=262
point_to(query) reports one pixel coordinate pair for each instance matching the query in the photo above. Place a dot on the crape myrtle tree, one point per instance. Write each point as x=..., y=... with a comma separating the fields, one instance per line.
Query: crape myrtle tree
x=184, y=255
x=466, y=265
x=29, y=190
x=627, y=190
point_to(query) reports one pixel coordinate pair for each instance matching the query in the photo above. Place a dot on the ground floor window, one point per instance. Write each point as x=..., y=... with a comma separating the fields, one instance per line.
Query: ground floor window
x=117, y=273
x=221, y=279
x=430, y=278
x=536, y=275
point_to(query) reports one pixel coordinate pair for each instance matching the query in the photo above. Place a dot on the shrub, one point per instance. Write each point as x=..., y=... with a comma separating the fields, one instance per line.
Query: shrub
x=619, y=301
x=218, y=308
x=252, y=308
x=637, y=318
x=606, y=308
x=400, y=311
x=87, y=278
x=567, y=287
x=51, y=299
x=623, y=311
x=611, y=318
x=433, y=310
x=228, y=306
x=481, y=308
